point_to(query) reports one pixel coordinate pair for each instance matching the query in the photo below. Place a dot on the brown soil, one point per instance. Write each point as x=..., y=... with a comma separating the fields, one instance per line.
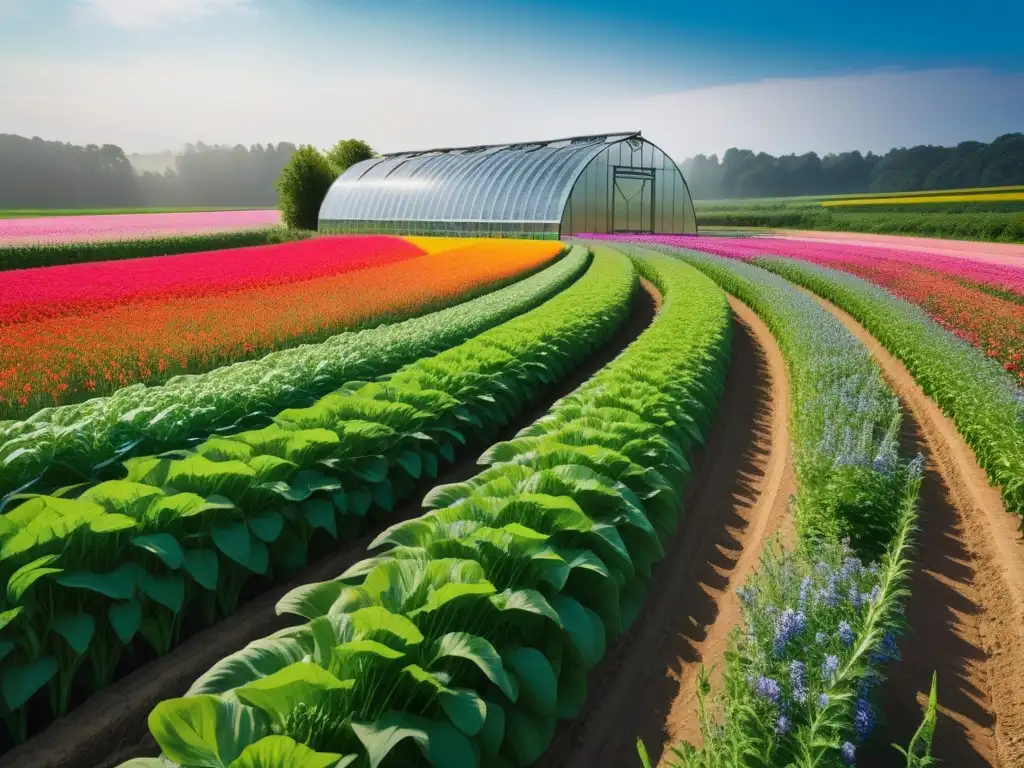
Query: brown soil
x=736, y=499
x=966, y=609
x=110, y=727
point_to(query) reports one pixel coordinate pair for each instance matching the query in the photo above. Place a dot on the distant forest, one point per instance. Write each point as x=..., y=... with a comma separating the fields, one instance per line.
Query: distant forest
x=743, y=173
x=35, y=173
x=50, y=174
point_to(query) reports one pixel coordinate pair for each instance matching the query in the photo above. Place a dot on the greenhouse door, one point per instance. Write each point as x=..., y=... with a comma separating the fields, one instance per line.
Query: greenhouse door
x=633, y=200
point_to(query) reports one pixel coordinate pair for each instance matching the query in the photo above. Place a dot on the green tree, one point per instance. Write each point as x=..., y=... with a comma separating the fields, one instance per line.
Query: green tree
x=348, y=152
x=303, y=185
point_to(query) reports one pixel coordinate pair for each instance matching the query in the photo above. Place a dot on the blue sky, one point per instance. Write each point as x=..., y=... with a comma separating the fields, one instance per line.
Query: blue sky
x=695, y=77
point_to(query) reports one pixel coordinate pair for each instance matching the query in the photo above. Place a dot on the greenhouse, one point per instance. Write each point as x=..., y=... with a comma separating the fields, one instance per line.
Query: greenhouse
x=546, y=189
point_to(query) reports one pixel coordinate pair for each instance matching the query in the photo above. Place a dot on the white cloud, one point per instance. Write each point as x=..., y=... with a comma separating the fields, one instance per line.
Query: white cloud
x=138, y=14
x=161, y=102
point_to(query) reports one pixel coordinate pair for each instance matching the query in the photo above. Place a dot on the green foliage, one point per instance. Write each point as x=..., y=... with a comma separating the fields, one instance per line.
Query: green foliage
x=817, y=624
x=348, y=152
x=303, y=186
x=57, y=447
x=255, y=501
x=845, y=421
x=471, y=632
x=1007, y=226
x=975, y=392
x=53, y=254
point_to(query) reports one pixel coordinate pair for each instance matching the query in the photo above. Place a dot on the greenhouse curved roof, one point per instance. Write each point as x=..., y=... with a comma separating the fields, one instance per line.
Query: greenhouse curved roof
x=512, y=183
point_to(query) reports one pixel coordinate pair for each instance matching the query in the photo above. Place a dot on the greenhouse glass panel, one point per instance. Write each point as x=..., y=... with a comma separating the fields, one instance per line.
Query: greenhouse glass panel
x=605, y=183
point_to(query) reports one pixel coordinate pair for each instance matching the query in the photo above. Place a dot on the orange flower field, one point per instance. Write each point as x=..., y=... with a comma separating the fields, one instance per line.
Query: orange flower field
x=76, y=356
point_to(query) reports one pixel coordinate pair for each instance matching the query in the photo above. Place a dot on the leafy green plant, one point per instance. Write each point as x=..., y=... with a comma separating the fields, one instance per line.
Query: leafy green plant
x=974, y=391
x=470, y=633
x=303, y=186
x=89, y=569
x=817, y=623
x=54, y=254
x=62, y=446
x=845, y=420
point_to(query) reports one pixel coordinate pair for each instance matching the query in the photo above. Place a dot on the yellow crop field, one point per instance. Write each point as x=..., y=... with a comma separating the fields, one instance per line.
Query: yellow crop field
x=984, y=197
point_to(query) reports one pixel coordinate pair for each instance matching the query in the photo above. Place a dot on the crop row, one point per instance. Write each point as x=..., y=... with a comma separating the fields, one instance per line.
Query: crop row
x=64, y=445
x=183, y=531
x=25, y=255
x=980, y=397
x=980, y=302
x=78, y=289
x=1006, y=277
x=1006, y=227
x=818, y=624
x=63, y=359
x=470, y=633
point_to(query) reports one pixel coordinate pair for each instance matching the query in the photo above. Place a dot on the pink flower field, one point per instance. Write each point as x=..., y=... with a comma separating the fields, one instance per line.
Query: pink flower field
x=62, y=229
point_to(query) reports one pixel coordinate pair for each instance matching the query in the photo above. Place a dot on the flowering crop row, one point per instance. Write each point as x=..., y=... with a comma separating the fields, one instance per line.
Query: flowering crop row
x=52, y=229
x=469, y=635
x=64, y=359
x=817, y=623
x=64, y=445
x=94, y=570
x=952, y=290
x=985, y=403
x=30, y=255
x=77, y=289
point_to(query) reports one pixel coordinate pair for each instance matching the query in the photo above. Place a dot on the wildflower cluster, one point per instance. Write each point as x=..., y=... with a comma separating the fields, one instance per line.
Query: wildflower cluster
x=804, y=622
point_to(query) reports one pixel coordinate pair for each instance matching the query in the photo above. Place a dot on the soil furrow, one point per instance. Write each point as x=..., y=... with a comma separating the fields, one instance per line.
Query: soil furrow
x=110, y=727
x=737, y=498
x=966, y=608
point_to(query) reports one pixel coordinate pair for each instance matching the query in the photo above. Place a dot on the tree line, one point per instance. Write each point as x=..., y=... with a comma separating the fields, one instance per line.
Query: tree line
x=35, y=173
x=744, y=173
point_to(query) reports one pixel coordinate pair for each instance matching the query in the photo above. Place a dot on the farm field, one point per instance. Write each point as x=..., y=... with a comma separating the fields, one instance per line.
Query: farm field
x=993, y=214
x=381, y=501
x=52, y=212
x=84, y=227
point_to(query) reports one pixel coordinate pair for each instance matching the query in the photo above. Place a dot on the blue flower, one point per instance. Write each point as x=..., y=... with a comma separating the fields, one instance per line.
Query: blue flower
x=830, y=666
x=846, y=633
x=797, y=670
x=849, y=752
x=820, y=638
x=863, y=718
x=805, y=587
x=876, y=593
x=823, y=700
x=768, y=689
x=789, y=625
x=782, y=725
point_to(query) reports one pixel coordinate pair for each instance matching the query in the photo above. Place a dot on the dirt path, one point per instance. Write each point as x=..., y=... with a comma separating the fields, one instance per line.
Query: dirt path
x=736, y=499
x=110, y=727
x=966, y=607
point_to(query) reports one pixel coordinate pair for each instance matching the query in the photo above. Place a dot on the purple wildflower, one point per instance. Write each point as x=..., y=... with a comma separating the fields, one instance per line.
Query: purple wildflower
x=782, y=725
x=830, y=666
x=846, y=633
x=789, y=625
x=797, y=670
x=849, y=752
x=863, y=718
x=823, y=700
x=768, y=689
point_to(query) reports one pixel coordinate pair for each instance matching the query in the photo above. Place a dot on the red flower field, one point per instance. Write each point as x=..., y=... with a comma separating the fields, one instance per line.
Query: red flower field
x=35, y=294
x=80, y=354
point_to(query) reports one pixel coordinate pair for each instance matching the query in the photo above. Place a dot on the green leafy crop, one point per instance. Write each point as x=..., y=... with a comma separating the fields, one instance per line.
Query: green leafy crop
x=88, y=569
x=469, y=634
